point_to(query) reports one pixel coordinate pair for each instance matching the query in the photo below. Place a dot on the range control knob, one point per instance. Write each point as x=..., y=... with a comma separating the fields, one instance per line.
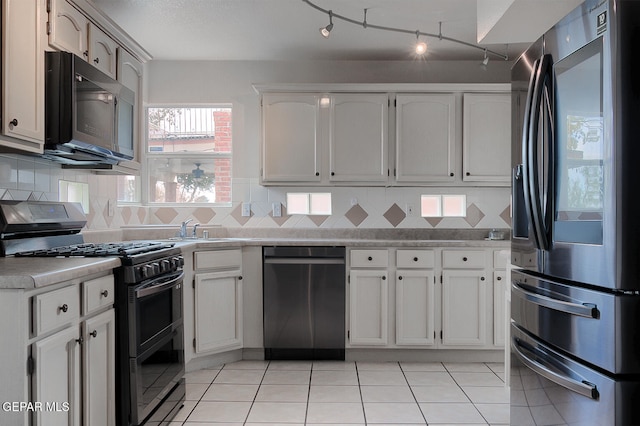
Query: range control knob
x=165, y=265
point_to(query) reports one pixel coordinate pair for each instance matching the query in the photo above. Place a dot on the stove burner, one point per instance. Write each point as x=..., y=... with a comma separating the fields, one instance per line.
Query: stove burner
x=125, y=249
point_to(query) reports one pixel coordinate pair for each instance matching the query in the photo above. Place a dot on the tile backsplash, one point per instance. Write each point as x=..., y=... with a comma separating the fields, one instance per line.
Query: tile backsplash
x=26, y=177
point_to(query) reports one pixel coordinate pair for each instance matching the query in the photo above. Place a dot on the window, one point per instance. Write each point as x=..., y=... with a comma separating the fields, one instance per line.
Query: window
x=188, y=157
x=309, y=203
x=443, y=205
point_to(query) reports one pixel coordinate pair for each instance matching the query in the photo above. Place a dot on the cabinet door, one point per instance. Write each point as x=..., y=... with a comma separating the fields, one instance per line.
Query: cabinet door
x=102, y=51
x=486, y=137
x=290, y=138
x=68, y=28
x=98, y=367
x=22, y=75
x=358, y=138
x=465, y=305
x=425, y=138
x=368, y=306
x=56, y=380
x=499, y=283
x=130, y=73
x=415, y=308
x=218, y=311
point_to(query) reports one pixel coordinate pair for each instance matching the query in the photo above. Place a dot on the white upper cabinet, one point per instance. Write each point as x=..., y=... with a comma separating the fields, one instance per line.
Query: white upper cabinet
x=486, y=137
x=425, y=138
x=68, y=29
x=22, y=91
x=102, y=51
x=358, y=142
x=290, y=138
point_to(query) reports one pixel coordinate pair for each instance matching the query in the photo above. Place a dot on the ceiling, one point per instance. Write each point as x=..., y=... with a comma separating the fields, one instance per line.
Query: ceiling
x=288, y=29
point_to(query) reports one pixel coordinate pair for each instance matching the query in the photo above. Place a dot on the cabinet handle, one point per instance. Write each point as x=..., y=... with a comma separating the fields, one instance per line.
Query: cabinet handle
x=96, y=61
x=240, y=277
x=94, y=333
x=85, y=53
x=80, y=340
x=369, y=258
x=464, y=259
x=481, y=278
x=64, y=308
x=317, y=173
x=468, y=174
x=499, y=278
x=384, y=278
x=451, y=174
x=415, y=259
x=14, y=122
x=104, y=293
x=400, y=277
x=333, y=173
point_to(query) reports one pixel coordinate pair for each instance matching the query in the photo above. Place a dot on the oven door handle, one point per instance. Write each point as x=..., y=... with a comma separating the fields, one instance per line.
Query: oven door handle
x=582, y=387
x=162, y=285
x=587, y=310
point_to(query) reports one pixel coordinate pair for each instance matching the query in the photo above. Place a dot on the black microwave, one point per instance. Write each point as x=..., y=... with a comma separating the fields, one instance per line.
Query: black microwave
x=89, y=116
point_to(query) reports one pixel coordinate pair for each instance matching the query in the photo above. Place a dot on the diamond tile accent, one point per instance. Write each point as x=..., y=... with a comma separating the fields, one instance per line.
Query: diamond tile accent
x=356, y=215
x=282, y=219
x=474, y=215
x=142, y=214
x=434, y=221
x=204, y=214
x=318, y=220
x=506, y=215
x=395, y=215
x=166, y=214
x=237, y=215
x=126, y=214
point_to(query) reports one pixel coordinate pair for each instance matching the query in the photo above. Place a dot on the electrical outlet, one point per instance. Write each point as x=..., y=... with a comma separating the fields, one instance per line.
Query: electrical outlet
x=410, y=210
x=277, y=209
x=246, y=209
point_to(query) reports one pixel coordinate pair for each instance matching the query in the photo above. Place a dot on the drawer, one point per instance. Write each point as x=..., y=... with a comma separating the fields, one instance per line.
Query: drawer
x=369, y=258
x=97, y=294
x=218, y=259
x=55, y=308
x=463, y=259
x=424, y=259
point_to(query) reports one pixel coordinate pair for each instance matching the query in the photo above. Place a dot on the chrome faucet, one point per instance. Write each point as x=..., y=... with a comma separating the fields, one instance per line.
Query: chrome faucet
x=183, y=228
x=195, y=228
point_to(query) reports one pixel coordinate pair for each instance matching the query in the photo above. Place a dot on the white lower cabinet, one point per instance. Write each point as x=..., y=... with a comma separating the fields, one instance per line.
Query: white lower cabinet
x=218, y=301
x=369, y=304
x=465, y=306
x=415, y=308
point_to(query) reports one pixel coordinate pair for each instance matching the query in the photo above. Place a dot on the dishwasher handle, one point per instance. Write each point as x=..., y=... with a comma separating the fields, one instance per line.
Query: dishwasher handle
x=303, y=261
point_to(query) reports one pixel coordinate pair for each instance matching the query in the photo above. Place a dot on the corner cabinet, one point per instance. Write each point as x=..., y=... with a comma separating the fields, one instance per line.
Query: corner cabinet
x=425, y=138
x=218, y=301
x=22, y=92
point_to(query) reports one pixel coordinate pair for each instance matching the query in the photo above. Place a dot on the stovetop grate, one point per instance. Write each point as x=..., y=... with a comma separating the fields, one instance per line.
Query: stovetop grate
x=121, y=249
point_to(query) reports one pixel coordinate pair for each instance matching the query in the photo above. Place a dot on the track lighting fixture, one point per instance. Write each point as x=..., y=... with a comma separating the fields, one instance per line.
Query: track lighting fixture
x=421, y=47
x=326, y=31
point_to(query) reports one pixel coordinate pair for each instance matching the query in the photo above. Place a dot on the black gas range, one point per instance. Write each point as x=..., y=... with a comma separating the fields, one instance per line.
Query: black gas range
x=148, y=303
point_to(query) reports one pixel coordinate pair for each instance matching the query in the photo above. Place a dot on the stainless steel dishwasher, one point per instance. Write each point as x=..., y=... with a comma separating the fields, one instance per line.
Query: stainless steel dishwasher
x=304, y=302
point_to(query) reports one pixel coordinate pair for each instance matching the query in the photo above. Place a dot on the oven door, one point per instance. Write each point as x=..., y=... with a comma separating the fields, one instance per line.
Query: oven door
x=155, y=306
x=155, y=373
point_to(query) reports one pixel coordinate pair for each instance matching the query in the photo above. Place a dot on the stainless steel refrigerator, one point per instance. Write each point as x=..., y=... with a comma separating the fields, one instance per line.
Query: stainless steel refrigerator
x=575, y=289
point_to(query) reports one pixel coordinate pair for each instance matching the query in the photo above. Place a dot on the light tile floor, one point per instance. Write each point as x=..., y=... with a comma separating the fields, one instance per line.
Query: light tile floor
x=293, y=393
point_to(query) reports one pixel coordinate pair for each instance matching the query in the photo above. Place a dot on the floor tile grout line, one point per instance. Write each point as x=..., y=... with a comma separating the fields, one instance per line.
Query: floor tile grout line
x=246, y=419
x=465, y=394
x=201, y=396
x=364, y=414
x=413, y=394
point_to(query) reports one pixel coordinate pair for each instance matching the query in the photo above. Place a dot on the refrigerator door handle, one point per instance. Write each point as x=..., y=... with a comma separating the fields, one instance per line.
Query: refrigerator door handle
x=526, y=143
x=538, y=96
x=582, y=387
x=580, y=309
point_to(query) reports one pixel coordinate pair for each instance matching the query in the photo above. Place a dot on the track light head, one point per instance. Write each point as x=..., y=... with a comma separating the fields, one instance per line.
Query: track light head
x=326, y=31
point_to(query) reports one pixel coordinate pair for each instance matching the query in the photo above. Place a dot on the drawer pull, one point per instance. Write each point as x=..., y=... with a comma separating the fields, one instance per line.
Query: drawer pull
x=240, y=278
x=63, y=308
x=400, y=277
x=464, y=259
x=384, y=278
x=499, y=278
x=80, y=340
x=415, y=259
x=94, y=333
x=481, y=278
x=105, y=293
x=14, y=122
x=369, y=258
